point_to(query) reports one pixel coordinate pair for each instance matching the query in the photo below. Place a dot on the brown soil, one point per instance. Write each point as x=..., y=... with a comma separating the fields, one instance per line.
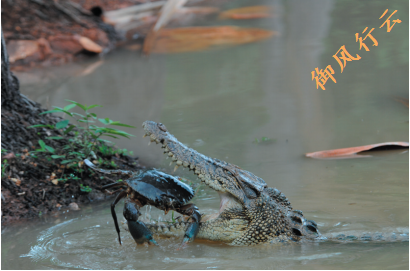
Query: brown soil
x=27, y=187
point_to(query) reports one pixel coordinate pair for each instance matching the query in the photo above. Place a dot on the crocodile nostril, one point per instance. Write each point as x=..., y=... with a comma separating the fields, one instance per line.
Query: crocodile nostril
x=296, y=219
x=296, y=232
x=311, y=228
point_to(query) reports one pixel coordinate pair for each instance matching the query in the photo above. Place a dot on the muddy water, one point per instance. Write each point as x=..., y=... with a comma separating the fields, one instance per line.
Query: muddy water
x=219, y=102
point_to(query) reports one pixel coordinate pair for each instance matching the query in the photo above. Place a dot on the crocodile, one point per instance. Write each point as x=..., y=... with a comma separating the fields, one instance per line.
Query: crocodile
x=250, y=212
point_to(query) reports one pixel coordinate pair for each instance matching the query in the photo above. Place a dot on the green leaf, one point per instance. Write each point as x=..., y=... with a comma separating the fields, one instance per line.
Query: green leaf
x=41, y=125
x=57, y=156
x=86, y=121
x=55, y=137
x=105, y=141
x=94, y=115
x=110, y=135
x=50, y=149
x=79, y=115
x=83, y=107
x=69, y=129
x=42, y=144
x=67, y=161
x=62, y=124
x=68, y=107
x=51, y=111
x=94, y=105
x=121, y=124
x=106, y=121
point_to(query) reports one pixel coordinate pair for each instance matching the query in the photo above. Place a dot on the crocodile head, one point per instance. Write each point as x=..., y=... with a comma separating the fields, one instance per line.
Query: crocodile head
x=249, y=212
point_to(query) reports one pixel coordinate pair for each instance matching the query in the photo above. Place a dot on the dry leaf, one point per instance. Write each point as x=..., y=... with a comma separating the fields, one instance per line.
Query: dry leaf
x=253, y=12
x=55, y=181
x=16, y=181
x=188, y=39
x=20, y=49
x=404, y=101
x=88, y=44
x=354, y=151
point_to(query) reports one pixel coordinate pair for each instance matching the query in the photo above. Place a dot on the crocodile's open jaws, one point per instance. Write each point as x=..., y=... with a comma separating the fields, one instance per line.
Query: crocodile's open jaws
x=250, y=212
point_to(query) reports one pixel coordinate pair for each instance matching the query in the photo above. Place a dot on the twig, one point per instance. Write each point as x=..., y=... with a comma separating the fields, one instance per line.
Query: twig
x=68, y=13
x=134, y=9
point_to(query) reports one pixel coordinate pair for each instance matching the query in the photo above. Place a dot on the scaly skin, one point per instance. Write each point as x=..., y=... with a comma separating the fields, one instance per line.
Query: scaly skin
x=250, y=213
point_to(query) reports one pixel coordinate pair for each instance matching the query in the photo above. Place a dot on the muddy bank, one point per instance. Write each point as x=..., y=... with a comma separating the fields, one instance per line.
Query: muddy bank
x=46, y=32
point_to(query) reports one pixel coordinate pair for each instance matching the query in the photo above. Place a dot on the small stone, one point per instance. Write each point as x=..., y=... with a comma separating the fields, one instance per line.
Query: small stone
x=58, y=205
x=73, y=206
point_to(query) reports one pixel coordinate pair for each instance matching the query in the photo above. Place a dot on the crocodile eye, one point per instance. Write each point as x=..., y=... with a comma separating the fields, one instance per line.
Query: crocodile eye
x=162, y=127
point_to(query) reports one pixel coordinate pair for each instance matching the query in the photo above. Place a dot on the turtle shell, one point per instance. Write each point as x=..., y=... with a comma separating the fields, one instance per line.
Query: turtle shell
x=154, y=185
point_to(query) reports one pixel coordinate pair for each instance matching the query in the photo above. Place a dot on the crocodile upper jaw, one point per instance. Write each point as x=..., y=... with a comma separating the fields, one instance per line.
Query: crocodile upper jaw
x=159, y=134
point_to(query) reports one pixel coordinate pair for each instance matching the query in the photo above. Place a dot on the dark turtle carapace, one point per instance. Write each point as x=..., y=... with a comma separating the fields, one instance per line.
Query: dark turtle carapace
x=155, y=188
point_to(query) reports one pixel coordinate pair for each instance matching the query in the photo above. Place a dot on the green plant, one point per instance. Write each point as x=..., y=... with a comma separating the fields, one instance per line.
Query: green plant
x=80, y=138
x=4, y=165
x=83, y=144
x=85, y=189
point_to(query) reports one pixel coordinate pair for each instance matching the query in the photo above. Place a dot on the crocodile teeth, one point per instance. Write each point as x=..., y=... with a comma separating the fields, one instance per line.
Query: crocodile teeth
x=151, y=139
x=170, y=154
x=175, y=168
x=145, y=135
x=185, y=164
x=192, y=166
x=201, y=176
x=179, y=162
x=197, y=171
x=174, y=158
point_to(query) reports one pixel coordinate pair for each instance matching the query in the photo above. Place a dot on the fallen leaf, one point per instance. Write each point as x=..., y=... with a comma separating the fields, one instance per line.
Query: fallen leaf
x=88, y=44
x=253, y=12
x=10, y=155
x=198, y=10
x=189, y=39
x=55, y=181
x=16, y=181
x=354, y=151
x=404, y=101
x=20, y=49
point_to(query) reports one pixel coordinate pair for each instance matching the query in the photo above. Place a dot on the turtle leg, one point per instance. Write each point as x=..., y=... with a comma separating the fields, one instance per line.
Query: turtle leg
x=192, y=229
x=138, y=230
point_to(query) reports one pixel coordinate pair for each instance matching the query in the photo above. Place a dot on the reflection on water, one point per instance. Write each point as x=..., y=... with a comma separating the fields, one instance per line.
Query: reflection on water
x=218, y=102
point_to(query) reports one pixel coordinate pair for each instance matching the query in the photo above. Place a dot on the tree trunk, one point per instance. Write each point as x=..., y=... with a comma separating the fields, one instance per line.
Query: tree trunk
x=18, y=112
